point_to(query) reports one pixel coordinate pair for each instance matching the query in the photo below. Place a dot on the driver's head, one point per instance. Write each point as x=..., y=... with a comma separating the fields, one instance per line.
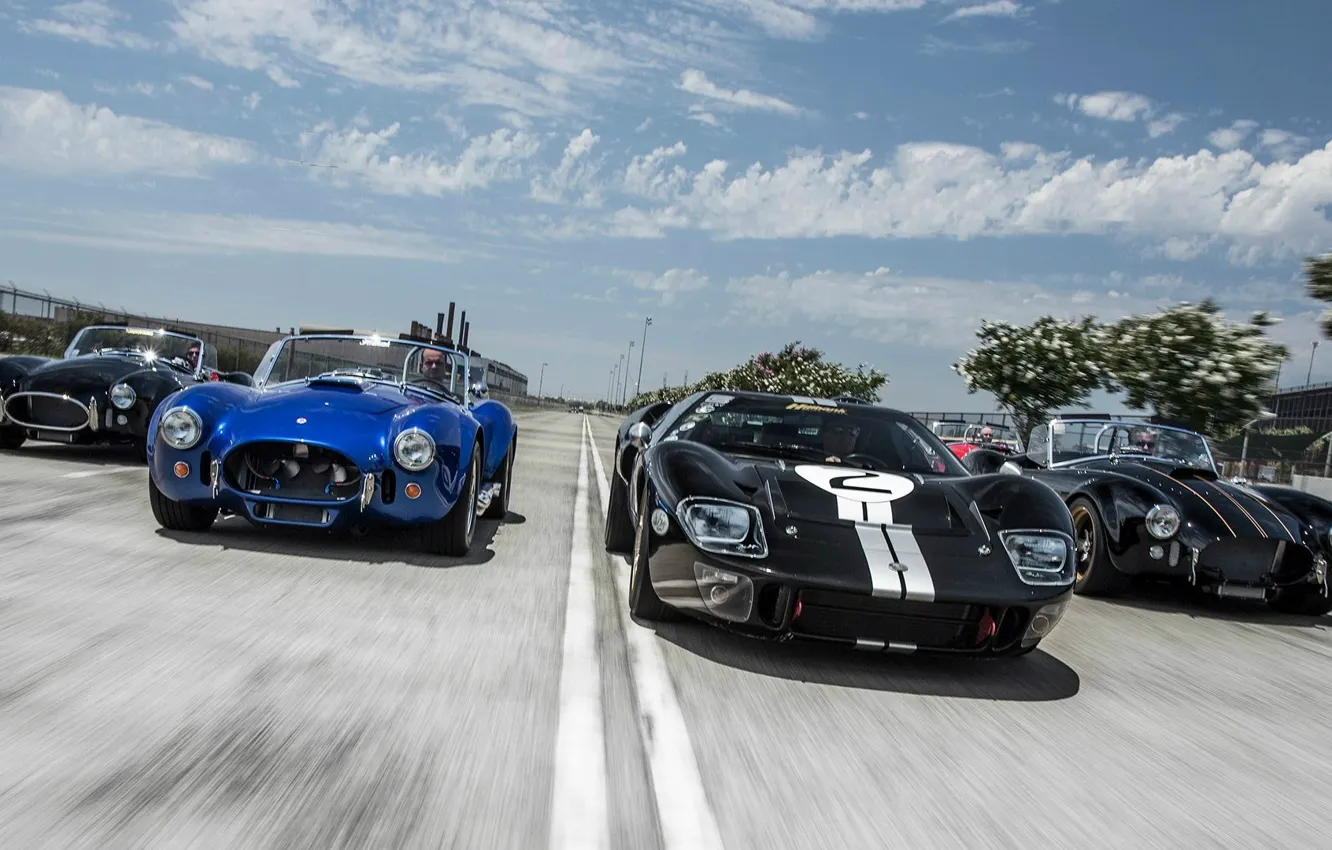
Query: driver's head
x=432, y=363
x=192, y=357
x=1142, y=438
x=987, y=434
x=839, y=438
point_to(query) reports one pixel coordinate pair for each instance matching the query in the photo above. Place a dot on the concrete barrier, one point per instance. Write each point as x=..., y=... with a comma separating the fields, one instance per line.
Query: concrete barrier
x=1314, y=484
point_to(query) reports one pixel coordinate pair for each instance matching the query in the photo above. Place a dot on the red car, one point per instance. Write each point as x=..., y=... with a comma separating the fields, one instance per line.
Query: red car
x=999, y=438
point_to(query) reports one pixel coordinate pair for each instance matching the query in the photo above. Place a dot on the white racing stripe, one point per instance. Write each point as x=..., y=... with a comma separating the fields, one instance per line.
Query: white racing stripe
x=916, y=577
x=686, y=817
x=884, y=580
x=896, y=565
x=578, y=807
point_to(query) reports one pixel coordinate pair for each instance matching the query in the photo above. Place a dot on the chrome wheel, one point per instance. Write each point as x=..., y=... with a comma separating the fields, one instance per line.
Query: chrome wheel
x=471, y=498
x=1084, y=537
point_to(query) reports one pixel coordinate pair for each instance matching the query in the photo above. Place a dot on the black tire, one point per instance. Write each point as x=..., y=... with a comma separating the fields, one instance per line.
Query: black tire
x=452, y=535
x=1095, y=576
x=173, y=516
x=499, y=507
x=619, y=528
x=12, y=438
x=1308, y=601
x=644, y=602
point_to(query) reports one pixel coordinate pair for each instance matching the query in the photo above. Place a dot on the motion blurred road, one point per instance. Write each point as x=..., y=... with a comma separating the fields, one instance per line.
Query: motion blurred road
x=283, y=690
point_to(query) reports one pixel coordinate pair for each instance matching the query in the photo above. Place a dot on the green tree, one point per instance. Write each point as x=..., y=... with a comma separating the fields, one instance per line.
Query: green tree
x=1034, y=369
x=1318, y=283
x=795, y=370
x=1187, y=363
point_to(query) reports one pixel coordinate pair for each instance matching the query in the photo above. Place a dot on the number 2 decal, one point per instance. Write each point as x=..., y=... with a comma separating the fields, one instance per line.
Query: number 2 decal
x=860, y=485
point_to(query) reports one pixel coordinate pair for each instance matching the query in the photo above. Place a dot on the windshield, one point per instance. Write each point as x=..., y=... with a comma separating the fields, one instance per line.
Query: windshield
x=364, y=358
x=1074, y=440
x=868, y=437
x=176, y=349
x=988, y=432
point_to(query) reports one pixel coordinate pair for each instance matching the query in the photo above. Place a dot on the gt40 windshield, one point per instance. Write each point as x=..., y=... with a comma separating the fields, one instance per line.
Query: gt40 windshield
x=868, y=437
x=177, y=349
x=364, y=358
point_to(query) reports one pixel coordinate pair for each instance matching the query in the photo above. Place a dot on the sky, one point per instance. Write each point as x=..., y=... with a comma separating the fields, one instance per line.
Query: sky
x=870, y=177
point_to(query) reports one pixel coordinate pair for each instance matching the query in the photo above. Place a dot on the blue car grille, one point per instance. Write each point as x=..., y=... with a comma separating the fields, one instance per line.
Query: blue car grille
x=292, y=470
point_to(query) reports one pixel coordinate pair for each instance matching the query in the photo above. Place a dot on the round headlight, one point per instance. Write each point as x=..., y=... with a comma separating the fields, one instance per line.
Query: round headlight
x=181, y=428
x=122, y=396
x=414, y=450
x=1162, y=522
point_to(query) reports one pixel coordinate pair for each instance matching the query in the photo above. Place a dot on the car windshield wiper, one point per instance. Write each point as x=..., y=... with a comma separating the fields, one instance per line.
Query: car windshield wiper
x=774, y=451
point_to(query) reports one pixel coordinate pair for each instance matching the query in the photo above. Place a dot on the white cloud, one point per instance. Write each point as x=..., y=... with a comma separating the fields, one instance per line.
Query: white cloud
x=1229, y=138
x=943, y=313
x=935, y=189
x=995, y=9
x=1109, y=105
x=363, y=156
x=697, y=83
x=88, y=21
x=43, y=131
x=574, y=174
x=669, y=284
x=177, y=233
x=197, y=82
x=1165, y=125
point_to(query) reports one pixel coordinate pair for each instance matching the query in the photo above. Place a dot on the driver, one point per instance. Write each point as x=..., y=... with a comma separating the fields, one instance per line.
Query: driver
x=1142, y=439
x=192, y=356
x=986, y=436
x=433, y=366
x=839, y=439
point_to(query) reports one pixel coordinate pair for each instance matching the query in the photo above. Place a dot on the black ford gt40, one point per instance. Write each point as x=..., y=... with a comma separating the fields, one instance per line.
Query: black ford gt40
x=783, y=517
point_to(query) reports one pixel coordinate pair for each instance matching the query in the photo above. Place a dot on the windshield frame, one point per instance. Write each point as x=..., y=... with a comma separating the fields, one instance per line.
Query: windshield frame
x=462, y=363
x=1109, y=424
x=200, y=368
x=680, y=413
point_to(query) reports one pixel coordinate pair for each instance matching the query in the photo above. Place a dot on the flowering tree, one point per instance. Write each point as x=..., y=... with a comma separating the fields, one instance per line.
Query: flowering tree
x=1318, y=283
x=1037, y=368
x=795, y=369
x=1191, y=365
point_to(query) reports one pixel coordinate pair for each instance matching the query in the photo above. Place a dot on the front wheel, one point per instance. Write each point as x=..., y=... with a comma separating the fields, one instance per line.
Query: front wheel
x=1095, y=576
x=499, y=506
x=452, y=535
x=174, y=516
x=12, y=438
x=644, y=602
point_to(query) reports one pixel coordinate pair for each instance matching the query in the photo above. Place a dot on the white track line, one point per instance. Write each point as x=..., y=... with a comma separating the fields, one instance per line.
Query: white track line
x=687, y=821
x=578, y=805
x=113, y=470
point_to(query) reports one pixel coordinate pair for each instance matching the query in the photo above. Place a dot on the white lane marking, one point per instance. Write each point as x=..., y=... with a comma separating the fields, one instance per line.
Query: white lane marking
x=686, y=817
x=578, y=806
x=111, y=470
x=885, y=582
x=916, y=575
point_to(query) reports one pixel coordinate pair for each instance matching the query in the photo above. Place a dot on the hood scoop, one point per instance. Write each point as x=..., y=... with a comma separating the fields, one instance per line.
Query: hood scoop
x=791, y=497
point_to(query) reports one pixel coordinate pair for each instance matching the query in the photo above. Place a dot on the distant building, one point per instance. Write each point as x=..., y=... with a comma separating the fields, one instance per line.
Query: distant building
x=1309, y=406
x=500, y=377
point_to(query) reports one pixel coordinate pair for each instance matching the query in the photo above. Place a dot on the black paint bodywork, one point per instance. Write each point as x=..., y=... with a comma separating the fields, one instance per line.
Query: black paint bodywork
x=815, y=582
x=87, y=380
x=1260, y=541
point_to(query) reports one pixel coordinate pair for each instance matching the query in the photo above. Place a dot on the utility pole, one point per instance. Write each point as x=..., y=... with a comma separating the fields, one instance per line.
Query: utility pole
x=1309, y=378
x=638, y=385
x=542, y=380
x=629, y=362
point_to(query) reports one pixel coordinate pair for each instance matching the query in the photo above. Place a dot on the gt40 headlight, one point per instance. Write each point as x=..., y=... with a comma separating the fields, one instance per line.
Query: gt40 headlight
x=123, y=396
x=414, y=450
x=1162, y=522
x=181, y=428
x=723, y=527
x=1042, y=558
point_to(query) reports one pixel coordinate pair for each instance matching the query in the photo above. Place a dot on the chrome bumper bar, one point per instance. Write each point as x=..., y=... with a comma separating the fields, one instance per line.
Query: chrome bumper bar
x=88, y=410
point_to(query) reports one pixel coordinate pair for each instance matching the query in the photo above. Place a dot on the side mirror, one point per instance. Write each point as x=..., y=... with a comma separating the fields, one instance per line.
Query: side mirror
x=1010, y=468
x=479, y=391
x=639, y=435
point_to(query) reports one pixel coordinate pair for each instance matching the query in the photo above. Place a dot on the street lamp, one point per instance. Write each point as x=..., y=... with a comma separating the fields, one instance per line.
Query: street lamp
x=1265, y=416
x=638, y=385
x=541, y=381
x=1309, y=377
x=629, y=362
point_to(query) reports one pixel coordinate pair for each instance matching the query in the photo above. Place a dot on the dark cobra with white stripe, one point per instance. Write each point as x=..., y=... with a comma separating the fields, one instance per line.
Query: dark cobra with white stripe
x=1146, y=500
x=781, y=517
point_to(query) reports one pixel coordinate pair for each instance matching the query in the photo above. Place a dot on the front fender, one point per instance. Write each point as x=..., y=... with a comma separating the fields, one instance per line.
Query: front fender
x=1119, y=499
x=498, y=429
x=1313, y=510
x=14, y=369
x=682, y=468
x=1009, y=502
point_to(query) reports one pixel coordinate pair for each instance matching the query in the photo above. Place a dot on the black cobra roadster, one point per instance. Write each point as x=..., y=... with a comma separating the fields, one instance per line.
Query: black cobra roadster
x=106, y=387
x=782, y=517
x=1146, y=500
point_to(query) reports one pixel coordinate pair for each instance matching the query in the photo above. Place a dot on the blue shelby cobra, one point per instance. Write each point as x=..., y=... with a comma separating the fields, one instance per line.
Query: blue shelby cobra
x=340, y=431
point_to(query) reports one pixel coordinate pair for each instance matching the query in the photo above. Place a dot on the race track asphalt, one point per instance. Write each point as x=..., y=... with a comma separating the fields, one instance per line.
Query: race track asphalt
x=247, y=689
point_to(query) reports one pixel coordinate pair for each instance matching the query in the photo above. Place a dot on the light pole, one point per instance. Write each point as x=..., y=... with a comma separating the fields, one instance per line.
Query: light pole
x=610, y=382
x=541, y=381
x=619, y=370
x=638, y=385
x=1265, y=416
x=1309, y=378
x=629, y=362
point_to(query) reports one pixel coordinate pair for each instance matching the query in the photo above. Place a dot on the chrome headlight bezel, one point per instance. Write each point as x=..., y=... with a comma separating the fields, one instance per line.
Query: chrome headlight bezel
x=186, y=416
x=420, y=460
x=122, y=396
x=1163, y=522
x=1036, y=575
x=751, y=543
